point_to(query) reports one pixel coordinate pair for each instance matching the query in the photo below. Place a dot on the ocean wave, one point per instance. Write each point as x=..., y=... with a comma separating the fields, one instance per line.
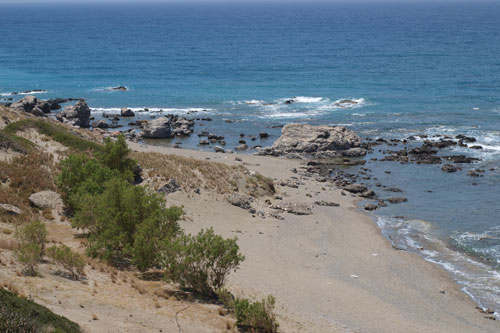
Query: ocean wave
x=28, y=92
x=479, y=280
x=111, y=89
x=146, y=110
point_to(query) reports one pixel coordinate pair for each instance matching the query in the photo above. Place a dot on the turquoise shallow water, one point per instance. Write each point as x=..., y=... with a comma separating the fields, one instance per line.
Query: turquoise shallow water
x=413, y=69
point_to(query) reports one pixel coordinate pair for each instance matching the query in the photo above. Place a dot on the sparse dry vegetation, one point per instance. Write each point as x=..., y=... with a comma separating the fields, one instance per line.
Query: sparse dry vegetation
x=193, y=174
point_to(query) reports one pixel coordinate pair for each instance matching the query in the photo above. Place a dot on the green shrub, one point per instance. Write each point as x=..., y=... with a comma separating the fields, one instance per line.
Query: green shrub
x=201, y=262
x=71, y=261
x=159, y=227
x=29, y=255
x=32, y=238
x=114, y=155
x=121, y=214
x=33, y=233
x=21, y=315
x=81, y=175
x=256, y=316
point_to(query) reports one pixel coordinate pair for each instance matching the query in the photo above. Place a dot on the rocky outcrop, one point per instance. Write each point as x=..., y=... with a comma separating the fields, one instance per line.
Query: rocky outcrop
x=127, y=113
x=167, y=127
x=46, y=199
x=100, y=124
x=26, y=104
x=160, y=128
x=307, y=141
x=76, y=115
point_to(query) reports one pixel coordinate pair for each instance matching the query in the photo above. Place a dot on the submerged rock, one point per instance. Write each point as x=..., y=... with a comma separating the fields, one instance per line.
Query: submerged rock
x=449, y=168
x=396, y=200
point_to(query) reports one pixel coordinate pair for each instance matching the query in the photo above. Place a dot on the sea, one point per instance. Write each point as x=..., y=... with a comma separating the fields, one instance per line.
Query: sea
x=411, y=69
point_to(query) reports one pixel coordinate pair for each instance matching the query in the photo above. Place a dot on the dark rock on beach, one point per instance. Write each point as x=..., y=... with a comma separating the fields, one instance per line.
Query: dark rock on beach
x=127, y=113
x=76, y=115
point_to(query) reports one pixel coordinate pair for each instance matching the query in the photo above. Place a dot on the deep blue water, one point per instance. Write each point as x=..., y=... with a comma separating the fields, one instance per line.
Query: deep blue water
x=431, y=69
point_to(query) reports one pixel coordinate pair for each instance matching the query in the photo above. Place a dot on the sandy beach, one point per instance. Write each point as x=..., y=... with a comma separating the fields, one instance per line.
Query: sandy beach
x=332, y=270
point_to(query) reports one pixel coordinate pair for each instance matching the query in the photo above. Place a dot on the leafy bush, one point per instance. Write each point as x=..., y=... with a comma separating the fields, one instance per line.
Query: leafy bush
x=201, y=262
x=21, y=315
x=81, y=175
x=124, y=220
x=30, y=255
x=33, y=233
x=70, y=260
x=32, y=238
x=114, y=155
x=160, y=226
x=256, y=316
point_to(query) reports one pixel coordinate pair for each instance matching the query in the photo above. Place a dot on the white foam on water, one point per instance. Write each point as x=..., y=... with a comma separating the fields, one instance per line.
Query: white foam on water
x=30, y=92
x=154, y=110
x=478, y=280
x=306, y=99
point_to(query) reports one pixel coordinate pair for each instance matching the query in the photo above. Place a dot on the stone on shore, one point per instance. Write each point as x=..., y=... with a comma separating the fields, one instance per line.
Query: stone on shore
x=239, y=200
x=76, y=115
x=27, y=103
x=127, y=113
x=160, y=128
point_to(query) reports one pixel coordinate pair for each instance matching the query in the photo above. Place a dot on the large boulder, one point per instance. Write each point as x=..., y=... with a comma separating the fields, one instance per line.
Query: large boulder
x=26, y=104
x=46, y=199
x=307, y=141
x=76, y=115
x=160, y=128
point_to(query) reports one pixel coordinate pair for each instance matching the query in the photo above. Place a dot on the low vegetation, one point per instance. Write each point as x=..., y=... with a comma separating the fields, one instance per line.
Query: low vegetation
x=32, y=238
x=70, y=260
x=193, y=174
x=202, y=262
x=57, y=132
x=256, y=316
x=18, y=314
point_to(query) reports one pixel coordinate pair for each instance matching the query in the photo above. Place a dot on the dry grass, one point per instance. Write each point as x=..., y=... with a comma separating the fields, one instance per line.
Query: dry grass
x=23, y=176
x=139, y=286
x=191, y=174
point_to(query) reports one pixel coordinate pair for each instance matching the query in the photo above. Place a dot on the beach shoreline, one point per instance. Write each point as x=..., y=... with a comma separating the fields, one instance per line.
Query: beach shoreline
x=332, y=270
